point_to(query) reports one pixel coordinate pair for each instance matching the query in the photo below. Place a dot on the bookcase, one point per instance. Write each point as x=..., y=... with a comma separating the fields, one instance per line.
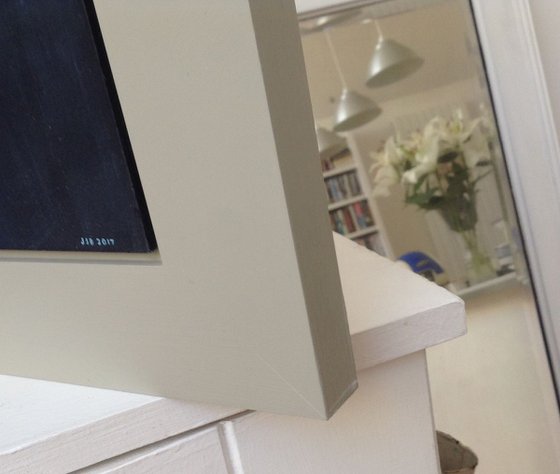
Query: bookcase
x=349, y=207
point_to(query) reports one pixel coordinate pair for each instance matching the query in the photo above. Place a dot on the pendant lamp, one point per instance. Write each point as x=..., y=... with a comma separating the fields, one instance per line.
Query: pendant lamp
x=353, y=110
x=329, y=143
x=391, y=62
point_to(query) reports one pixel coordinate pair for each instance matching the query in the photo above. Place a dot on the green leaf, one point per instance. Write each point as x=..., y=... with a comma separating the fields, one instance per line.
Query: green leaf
x=481, y=177
x=447, y=157
x=484, y=163
x=427, y=200
x=419, y=199
x=459, y=170
x=420, y=182
x=434, y=203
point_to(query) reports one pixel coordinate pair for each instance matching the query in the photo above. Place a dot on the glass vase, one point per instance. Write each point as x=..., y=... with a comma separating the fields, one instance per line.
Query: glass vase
x=479, y=266
x=461, y=216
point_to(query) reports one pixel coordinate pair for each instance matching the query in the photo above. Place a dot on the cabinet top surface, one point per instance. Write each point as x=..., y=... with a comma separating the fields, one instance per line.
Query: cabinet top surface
x=384, y=325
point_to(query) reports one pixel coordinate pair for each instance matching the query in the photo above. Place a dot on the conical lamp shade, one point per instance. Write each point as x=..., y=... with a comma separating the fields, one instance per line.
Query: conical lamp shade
x=353, y=111
x=329, y=143
x=327, y=21
x=391, y=62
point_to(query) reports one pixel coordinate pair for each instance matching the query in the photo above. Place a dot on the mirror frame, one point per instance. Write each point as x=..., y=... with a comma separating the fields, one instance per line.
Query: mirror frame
x=510, y=50
x=527, y=128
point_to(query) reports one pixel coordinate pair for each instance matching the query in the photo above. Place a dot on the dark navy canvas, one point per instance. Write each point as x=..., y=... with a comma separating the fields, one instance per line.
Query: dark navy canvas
x=67, y=175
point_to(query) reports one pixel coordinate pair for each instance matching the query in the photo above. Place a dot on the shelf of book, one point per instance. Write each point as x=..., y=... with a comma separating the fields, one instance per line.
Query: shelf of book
x=362, y=232
x=349, y=206
x=352, y=217
x=338, y=171
x=343, y=186
x=346, y=202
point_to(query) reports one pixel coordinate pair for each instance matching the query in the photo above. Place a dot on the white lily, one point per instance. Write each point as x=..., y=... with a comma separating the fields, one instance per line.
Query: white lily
x=455, y=133
x=435, y=129
x=419, y=153
x=385, y=177
x=390, y=155
x=384, y=167
x=412, y=176
x=426, y=156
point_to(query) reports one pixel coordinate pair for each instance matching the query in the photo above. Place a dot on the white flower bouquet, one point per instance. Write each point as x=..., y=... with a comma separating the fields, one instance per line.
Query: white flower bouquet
x=440, y=168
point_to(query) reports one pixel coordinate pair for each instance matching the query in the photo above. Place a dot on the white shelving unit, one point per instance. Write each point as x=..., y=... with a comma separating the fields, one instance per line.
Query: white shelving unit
x=347, y=202
x=349, y=206
x=337, y=171
x=360, y=233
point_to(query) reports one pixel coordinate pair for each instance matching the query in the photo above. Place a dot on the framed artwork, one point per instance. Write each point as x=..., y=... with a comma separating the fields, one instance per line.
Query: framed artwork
x=240, y=304
x=68, y=178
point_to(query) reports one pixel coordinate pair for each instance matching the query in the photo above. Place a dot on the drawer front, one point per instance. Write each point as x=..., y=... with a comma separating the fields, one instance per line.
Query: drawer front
x=192, y=453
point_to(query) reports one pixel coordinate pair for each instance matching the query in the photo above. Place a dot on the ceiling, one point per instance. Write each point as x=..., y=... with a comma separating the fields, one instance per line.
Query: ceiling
x=442, y=33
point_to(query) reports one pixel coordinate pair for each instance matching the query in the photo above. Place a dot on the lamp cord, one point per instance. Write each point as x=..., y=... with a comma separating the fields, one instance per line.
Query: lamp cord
x=335, y=57
x=379, y=32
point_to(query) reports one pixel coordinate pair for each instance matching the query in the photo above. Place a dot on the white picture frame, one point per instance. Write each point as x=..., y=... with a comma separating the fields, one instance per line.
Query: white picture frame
x=242, y=305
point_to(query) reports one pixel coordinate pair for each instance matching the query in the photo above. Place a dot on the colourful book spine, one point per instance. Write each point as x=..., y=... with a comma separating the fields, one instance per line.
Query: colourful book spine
x=348, y=221
x=367, y=214
x=354, y=217
x=338, y=223
x=359, y=215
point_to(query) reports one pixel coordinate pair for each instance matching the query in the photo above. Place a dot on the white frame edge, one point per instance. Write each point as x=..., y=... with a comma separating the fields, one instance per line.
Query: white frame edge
x=530, y=143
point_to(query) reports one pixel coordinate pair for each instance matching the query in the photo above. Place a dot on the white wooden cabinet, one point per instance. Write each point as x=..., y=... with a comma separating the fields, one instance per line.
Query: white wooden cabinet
x=366, y=436
x=386, y=426
x=200, y=451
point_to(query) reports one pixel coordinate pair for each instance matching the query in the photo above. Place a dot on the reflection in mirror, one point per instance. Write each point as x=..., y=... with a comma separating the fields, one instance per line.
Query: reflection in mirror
x=425, y=182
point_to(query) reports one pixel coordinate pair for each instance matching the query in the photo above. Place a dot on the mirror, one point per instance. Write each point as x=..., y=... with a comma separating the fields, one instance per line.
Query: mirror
x=425, y=182
x=439, y=111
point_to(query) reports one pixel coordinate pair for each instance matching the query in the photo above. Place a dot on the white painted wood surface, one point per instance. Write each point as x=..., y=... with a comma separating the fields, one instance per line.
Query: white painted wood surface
x=69, y=427
x=193, y=453
x=386, y=427
x=392, y=311
x=283, y=70
x=52, y=427
x=360, y=439
x=531, y=146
